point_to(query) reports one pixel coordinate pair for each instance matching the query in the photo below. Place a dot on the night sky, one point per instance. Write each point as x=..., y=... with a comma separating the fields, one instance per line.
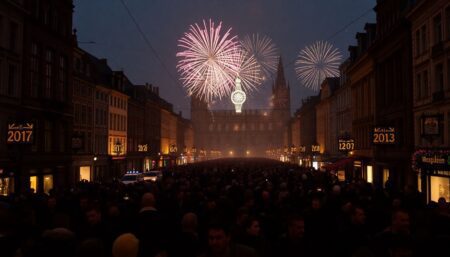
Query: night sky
x=292, y=25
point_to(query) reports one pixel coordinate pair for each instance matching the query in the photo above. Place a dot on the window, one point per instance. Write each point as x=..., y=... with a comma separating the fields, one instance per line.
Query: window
x=83, y=115
x=46, y=15
x=424, y=39
x=437, y=29
x=48, y=183
x=12, y=79
x=33, y=183
x=418, y=44
x=13, y=34
x=48, y=73
x=62, y=138
x=439, y=77
x=1, y=31
x=425, y=84
x=418, y=86
x=97, y=116
x=62, y=78
x=48, y=131
x=447, y=21
x=2, y=88
x=34, y=70
x=448, y=75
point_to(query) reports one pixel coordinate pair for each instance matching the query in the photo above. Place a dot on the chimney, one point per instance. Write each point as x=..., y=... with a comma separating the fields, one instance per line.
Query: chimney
x=157, y=91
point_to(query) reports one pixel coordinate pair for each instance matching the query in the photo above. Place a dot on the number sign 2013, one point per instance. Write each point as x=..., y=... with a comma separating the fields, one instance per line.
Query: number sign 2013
x=384, y=135
x=20, y=133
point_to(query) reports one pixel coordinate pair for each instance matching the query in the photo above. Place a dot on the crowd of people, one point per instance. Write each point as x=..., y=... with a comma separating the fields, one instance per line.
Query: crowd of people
x=231, y=207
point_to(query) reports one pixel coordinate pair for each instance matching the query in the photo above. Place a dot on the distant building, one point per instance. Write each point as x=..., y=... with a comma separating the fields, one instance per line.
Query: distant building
x=118, y=124
x=308, y=138
x=326, y=119
x=83, y=97
x=250, y=133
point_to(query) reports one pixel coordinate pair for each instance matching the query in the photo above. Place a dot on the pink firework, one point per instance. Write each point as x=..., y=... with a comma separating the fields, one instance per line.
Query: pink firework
x=208, y=61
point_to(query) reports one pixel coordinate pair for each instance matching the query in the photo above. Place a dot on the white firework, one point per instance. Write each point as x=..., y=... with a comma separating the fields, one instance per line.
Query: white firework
x=264, y=51
x=248, y=70
x=208, y=61
x=316, y=62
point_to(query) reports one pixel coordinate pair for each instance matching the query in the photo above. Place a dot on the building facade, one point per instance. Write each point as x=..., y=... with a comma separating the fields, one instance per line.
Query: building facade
x=391, y=53
x=83, y=116
x=118, y=124
x=36, y=93
x=430, y=38
x=326, y=119
x=250, y=133
x=361, y=76
x=11, y=72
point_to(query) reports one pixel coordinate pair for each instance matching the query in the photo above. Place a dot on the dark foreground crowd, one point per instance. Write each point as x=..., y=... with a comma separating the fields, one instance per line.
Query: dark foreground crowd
x=226, y=208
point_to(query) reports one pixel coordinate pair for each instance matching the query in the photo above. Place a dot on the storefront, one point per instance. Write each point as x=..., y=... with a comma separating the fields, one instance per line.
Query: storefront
x=6, y=182
x=343, y=168
x=433, y=173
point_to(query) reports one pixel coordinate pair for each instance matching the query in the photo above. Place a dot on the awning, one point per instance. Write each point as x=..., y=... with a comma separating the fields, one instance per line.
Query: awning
x=339, y=163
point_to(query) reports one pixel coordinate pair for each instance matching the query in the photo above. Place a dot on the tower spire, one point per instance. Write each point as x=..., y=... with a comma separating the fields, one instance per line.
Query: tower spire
x=280, y=80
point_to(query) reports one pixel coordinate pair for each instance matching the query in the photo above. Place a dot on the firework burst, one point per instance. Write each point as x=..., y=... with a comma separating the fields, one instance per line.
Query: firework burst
x=248, y=70
x=316, y=62
x=264, y=51
x=208, y=60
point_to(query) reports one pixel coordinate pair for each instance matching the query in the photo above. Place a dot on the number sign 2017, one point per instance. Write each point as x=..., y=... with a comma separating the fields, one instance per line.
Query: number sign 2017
x=20, y=133
x=384, y=135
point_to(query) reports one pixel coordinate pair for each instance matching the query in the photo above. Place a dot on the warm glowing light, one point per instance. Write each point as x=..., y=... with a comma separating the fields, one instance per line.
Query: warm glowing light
x=369, y=174
x=231, y=152
x=208, y=61
x=248, y=152
x=316, y=62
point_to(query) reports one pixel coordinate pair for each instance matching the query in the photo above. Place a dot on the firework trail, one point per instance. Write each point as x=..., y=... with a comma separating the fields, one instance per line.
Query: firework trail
x=316, y=62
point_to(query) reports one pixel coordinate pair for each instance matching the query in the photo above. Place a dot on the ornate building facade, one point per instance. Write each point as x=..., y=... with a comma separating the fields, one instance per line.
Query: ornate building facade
x=250, y=133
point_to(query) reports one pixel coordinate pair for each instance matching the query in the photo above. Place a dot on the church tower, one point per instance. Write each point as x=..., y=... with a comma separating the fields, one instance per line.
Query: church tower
x=281, y=105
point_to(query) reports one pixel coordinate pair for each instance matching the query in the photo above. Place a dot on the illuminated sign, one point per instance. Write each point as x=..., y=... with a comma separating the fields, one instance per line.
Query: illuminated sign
x=430, y=125
x=346, y=144
x=143, y=148
x=20, y=133
x=384, y=135
x=315, y=148
x=302, y=148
